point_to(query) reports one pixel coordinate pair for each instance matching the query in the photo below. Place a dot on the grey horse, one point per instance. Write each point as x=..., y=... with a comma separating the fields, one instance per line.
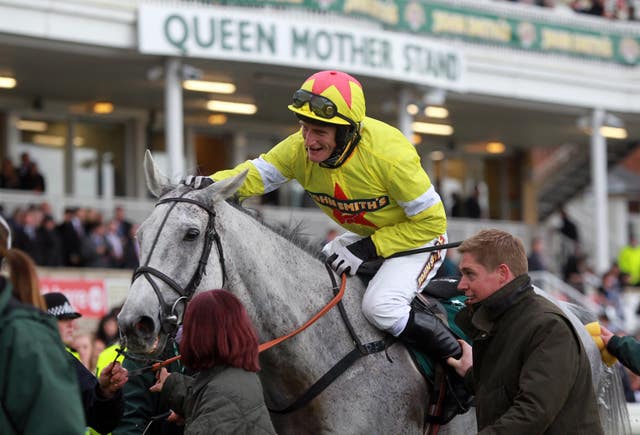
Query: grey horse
x=195, y=240
x=282, y=285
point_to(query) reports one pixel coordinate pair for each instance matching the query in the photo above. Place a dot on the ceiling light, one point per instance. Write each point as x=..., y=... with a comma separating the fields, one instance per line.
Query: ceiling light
x=613, y=132
x=495, y=147
x=7, y=82
x=436, y=112
x=102, y=107
x=206, y=86
x=28, y=125
x=49, y=139
x=217, y=119
x=412, y=109
x=430, y=128
x=229, y=107
x=56, y=140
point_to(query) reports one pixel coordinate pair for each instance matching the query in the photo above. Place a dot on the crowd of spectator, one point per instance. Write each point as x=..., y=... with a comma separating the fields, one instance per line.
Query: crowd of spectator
x=612, y=9
x=83, y=238
x=24, y=176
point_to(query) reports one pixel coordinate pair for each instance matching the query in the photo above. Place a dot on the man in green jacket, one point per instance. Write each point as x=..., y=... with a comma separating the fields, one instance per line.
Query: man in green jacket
x=145, y=411
x=528, y=368
x=38, y=387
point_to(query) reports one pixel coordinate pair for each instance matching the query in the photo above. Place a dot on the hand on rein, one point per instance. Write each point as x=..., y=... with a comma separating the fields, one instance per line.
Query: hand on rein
x=112, y=378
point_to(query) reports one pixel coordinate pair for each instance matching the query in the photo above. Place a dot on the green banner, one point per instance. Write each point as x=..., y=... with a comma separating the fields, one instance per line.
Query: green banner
x=447, y=21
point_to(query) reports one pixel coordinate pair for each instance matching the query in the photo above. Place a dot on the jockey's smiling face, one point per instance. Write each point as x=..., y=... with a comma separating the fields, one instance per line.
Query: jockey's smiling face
x=319, y=140
x=477, y=282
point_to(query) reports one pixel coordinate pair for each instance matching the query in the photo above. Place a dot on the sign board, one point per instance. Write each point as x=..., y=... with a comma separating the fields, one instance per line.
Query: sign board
x=88, y=297
x=482, y=23
x=215, y=32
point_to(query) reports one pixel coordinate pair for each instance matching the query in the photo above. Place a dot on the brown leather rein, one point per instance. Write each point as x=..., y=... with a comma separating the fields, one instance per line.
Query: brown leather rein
x=269, y=344
x=332, y=303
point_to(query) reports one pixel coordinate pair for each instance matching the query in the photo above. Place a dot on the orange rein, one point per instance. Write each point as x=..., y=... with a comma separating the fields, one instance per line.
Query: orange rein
x=332, y=303
x=264, y=346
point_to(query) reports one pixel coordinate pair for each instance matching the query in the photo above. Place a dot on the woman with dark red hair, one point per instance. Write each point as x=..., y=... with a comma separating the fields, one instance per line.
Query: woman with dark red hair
x=221, y=344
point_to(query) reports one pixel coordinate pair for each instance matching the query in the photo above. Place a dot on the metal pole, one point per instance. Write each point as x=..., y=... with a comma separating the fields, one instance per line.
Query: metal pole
x=404, y=119
x=599, y=187
x=240, y=144
x=173, y=118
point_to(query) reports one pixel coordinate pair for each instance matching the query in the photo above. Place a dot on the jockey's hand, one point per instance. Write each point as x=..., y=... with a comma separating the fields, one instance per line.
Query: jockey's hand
x=197, y=181
x=349, y=258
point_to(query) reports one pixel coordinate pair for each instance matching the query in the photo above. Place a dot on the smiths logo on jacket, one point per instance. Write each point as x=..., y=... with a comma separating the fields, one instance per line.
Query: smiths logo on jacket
x=347, y=210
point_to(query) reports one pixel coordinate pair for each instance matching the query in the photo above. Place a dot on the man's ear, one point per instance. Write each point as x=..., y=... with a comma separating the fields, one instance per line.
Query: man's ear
x=505, y=273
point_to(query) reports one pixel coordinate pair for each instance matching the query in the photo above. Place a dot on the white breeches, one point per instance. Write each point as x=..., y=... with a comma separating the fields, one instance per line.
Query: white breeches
x=386, y=302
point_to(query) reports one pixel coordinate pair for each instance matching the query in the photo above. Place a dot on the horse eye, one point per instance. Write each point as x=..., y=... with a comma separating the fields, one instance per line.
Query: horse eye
x=192, y=234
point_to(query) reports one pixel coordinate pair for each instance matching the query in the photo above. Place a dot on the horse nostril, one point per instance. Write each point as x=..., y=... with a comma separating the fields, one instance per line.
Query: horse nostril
x=144, y=326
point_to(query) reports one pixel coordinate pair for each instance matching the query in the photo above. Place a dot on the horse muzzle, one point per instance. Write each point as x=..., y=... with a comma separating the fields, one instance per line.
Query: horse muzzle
x=140, y=334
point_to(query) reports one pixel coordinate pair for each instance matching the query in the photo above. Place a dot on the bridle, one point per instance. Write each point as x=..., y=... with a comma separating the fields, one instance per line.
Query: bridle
x=168, y=318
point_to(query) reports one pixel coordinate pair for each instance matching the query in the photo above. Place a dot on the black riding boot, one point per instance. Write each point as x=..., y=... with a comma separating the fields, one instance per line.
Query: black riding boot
x=428, y=334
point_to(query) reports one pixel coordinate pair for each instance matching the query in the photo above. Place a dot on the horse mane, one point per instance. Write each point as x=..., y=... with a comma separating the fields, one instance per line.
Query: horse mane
x=293, y=232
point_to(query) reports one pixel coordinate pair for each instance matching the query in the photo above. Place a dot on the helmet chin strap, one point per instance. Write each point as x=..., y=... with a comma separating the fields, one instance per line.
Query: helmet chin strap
x=342, y=153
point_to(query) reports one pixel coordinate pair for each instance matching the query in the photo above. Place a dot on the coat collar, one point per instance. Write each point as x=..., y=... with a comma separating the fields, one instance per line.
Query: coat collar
x=203, y=377
x=479, y=319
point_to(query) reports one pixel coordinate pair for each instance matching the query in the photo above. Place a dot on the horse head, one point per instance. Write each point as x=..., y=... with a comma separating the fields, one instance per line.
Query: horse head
x=176, y=243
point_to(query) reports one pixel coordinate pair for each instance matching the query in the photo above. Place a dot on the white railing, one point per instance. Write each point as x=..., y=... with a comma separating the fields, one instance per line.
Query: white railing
x=559, y=289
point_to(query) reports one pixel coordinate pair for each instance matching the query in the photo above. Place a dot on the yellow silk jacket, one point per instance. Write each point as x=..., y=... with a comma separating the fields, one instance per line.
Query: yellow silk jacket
x=381, y=191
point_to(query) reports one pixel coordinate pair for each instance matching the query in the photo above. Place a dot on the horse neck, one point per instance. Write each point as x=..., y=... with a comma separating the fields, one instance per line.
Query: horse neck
x=281, y=284
x=262, y=260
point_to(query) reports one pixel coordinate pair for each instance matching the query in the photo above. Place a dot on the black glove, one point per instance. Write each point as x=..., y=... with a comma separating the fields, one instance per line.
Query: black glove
x=350, y=258
x=197, y=181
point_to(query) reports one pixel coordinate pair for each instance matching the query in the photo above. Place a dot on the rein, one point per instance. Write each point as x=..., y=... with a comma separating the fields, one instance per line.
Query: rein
x=264, y=346
x=332, y=303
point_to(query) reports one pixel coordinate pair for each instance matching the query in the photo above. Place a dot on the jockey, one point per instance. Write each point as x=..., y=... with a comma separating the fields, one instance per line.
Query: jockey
x=366, y=176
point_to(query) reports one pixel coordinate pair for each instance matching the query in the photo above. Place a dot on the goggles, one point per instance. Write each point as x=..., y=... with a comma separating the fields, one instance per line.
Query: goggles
x=319, y=105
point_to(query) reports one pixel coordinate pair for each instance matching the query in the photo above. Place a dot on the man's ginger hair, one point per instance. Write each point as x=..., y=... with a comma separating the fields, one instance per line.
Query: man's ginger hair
x=493, y=247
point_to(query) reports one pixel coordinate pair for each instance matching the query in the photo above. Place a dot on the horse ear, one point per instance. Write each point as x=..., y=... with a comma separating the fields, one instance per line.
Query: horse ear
x=157, y=183
x=221, y=190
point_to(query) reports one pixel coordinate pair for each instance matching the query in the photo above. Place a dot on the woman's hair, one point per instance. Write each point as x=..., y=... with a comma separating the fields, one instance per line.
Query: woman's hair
x=22, y=271
x=217, y=331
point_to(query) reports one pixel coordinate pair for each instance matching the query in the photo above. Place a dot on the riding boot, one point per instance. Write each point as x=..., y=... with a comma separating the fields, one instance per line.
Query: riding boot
x=428, y=334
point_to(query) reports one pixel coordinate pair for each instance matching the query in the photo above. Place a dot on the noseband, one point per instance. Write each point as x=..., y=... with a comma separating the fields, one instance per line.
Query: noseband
x=169, y=318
